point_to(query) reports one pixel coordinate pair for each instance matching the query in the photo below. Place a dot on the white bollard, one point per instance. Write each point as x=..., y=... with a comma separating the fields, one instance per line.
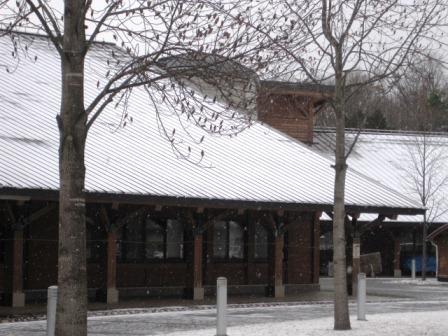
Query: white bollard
x=413, y=269
x=52, y=297
x=221, y=306
x=361, y=298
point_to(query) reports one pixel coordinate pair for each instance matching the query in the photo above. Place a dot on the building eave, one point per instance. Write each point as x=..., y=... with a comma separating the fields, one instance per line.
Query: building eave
x=102, y=197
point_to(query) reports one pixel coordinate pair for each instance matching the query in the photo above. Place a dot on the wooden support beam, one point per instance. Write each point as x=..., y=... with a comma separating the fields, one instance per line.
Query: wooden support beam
x=198, y=287
x=112, y=292
x=104, y=216
x=115, y=205
x=41, y=212
x=11, y=215
x=18, y=296
x=200, y=210
x=279, y=288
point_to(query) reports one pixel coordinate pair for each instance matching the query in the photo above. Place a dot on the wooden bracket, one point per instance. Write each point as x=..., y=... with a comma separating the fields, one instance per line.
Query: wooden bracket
x=104, y=216
x=26, y=219
x=278, y=223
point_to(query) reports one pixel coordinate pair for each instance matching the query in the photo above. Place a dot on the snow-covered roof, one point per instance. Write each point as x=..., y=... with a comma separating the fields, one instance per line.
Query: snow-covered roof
x=259, y=167
x=395, y=159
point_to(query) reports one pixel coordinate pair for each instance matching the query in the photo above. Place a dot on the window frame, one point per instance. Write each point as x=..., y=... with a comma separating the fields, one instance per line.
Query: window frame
x=227, y=258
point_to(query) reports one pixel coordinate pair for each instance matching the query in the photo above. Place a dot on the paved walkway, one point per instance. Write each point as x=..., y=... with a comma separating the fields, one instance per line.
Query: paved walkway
x=161, y=320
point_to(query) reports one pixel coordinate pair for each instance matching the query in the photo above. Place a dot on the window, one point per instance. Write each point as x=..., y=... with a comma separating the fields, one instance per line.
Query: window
x=236, y=241
x=153, y=239
x=174, y=239
x=261, y=241
x=133, y=241
x=220, y=239
x=228, y=240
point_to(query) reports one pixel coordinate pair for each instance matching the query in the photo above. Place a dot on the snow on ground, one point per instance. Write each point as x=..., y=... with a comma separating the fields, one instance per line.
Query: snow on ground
x=419, y=282
x=400, y=324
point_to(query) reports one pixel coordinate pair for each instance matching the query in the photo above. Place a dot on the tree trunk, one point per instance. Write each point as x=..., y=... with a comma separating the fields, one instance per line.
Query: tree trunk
x=71, y=317
x=341, y=313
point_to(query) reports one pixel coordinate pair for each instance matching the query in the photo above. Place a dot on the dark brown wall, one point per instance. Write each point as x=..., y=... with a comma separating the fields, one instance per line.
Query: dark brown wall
x=41, y=252
x=40, y=255
x=300, y=263
x=289, y=114
x=442, y=246
x=152, y=274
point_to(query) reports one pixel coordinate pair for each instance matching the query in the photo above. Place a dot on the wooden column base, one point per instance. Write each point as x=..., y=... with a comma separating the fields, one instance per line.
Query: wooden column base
x=279, y=291
x=18, y=299
x=112, y=295
x=276, y=287
x=198, y=293
x=397, y=273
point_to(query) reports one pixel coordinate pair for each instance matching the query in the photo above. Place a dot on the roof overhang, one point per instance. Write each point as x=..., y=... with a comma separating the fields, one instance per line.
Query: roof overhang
x=98, y=197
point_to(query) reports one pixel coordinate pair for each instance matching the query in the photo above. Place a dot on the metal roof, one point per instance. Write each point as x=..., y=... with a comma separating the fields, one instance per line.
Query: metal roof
x=391, y=158
x=259, y=166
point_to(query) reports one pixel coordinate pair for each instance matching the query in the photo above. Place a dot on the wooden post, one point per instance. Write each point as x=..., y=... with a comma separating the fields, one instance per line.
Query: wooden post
x=112, y=292
x=198, y=288
x=316, y=248
x=279, y=290
x=397, y=252
x=18, y=296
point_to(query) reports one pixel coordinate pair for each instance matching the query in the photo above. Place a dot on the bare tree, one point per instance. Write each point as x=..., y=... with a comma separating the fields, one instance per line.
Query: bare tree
x=173, y=49
x=366, y=107
x=330, y=40
x=426, y=177
x=419, y=92
x=420, y=95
